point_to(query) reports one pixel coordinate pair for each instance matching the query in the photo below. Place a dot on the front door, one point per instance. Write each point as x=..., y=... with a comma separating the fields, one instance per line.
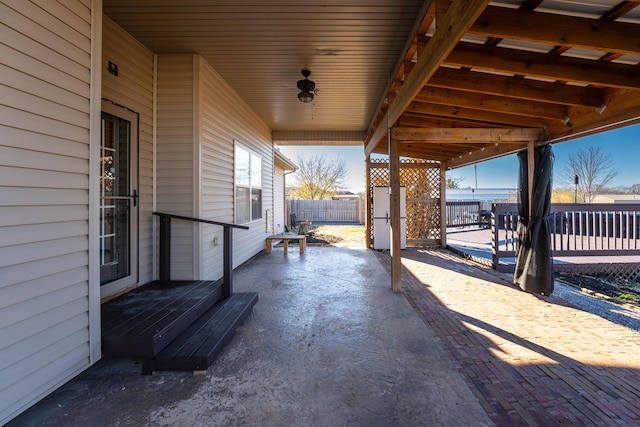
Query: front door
x=118, y=200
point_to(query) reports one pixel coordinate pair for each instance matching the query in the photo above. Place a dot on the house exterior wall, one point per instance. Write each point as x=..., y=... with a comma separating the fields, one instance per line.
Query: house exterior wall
x=45, y=197
x=224, y=119
x=52, y=79
x=199, y=120
x=176, y=168
x=133, y=88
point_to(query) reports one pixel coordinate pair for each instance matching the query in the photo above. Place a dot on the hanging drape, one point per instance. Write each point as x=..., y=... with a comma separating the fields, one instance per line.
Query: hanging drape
x=534, y=263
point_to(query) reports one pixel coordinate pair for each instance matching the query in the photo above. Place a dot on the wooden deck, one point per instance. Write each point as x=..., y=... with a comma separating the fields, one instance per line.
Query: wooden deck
x=181, y=326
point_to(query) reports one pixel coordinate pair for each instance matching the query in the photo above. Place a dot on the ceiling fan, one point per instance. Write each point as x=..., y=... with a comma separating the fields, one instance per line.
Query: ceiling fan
x=307, y=88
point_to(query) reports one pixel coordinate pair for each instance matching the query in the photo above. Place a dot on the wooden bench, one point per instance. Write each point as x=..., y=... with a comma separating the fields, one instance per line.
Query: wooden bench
x=285, y=237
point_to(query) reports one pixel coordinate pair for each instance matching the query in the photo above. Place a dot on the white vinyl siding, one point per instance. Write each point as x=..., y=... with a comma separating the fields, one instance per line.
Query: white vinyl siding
x=133, y=89
x=279, y=220
x=44, y=199
x=175, y=156
x=225, y=117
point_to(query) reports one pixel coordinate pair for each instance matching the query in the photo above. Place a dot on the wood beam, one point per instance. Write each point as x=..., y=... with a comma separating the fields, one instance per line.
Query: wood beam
x=498, y=104
x=622, y=110
x=517, y=87
x=491, y=118
x=558, y=30
x=462, y=136
x=458, y=19
x=443, y=205
x=556, y=67
x=367, y=200
x=394, y=207
x=491, y=152
x=434, y=152
x=425, y=121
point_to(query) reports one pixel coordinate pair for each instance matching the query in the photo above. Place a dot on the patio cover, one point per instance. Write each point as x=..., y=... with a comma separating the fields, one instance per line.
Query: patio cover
x=534, y=262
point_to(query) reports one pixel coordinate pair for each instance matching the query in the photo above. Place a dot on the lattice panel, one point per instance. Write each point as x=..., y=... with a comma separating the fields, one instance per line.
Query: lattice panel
x=422, y=184
x=629, y=272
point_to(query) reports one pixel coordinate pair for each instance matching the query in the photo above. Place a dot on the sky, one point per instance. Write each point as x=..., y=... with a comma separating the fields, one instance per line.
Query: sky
x=623, y=146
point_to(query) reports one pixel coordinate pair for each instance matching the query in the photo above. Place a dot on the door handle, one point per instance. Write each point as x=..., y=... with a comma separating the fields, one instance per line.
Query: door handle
x=134, y=196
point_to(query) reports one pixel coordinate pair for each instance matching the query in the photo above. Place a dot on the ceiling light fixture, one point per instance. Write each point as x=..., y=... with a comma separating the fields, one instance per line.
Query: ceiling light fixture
x=307, y=88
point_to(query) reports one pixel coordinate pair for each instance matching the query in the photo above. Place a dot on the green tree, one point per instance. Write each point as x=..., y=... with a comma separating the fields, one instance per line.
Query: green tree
x=594, y=169
x=318, y=177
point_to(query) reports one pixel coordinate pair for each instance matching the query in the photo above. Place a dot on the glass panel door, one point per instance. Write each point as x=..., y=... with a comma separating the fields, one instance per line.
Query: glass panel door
x=118, y=201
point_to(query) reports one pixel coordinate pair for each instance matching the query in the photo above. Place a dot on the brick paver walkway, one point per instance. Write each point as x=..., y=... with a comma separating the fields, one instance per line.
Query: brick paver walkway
x=529, y=360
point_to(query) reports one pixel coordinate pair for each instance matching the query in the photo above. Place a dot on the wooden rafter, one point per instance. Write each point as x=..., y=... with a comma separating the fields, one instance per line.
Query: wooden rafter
x=426, y=121
x=516, y=87
x=488, y=117
x=489, y=86
x=544, y=66
x=462, y=136
x=459, y=17
x=558, y=30
x=493, y=103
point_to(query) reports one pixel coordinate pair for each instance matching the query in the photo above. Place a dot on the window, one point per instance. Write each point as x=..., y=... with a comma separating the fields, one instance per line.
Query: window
x=248, y=185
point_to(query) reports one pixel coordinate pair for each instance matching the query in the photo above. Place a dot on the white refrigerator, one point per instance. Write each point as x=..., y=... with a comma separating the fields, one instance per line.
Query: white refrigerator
x=382, y=218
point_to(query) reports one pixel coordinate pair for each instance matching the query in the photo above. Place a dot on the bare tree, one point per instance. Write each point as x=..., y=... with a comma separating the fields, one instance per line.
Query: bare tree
x=634, y=189
x=318, y=177
x=594, y=169
x=454, y=181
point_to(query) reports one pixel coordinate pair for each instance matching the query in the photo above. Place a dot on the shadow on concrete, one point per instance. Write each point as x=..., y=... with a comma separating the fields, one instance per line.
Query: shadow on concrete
x=527, y=361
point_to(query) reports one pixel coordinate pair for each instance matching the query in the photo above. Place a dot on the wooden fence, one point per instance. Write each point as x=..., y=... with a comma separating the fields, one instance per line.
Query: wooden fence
x=577, y=230
x=342, y=210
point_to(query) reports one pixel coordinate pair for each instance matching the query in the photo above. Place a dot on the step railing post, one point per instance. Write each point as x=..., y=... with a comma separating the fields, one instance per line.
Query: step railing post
x=165, y=250
x=227, y=286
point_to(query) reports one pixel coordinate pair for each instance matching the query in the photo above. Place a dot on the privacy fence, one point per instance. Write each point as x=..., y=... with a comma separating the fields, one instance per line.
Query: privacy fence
x=341, y=210
x=588, y=231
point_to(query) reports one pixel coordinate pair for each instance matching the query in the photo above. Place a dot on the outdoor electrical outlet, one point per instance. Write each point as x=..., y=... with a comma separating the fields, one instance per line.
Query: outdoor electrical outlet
x=215, y=241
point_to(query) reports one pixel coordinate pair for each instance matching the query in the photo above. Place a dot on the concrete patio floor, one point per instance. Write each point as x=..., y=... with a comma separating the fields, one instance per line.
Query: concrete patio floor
x=328, y=344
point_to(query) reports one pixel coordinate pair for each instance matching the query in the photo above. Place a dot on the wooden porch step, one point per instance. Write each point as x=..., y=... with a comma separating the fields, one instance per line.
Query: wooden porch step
x=144, y=321
x=197, y=347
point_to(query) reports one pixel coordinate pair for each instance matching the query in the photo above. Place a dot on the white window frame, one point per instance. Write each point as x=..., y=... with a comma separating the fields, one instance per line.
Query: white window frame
x=250, y=182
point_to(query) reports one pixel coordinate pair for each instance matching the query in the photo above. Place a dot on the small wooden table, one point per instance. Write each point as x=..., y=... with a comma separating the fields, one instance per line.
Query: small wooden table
x=285, y=237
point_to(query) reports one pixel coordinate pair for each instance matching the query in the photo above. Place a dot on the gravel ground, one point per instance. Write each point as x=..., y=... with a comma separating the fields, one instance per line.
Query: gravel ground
x=615, y=313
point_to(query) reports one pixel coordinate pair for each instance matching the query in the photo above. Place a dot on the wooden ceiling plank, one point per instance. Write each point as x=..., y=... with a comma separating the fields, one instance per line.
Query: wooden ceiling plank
x=459, y=17
x=541, y=65
x=517, y=87
x=557, y=30
x=500, y=104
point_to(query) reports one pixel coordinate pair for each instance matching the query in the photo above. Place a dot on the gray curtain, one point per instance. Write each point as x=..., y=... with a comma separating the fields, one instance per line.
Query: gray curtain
x=534, y=263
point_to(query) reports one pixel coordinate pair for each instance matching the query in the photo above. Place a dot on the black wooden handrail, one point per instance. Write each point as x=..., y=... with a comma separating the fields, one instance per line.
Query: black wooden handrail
x=165, y=248
x=206, y=221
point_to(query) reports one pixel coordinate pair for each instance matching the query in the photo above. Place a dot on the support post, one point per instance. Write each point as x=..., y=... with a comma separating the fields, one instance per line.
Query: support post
x=165, y=250
x=394, y=203
x=227, y=285
x=367, y=202
x=443, y=205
